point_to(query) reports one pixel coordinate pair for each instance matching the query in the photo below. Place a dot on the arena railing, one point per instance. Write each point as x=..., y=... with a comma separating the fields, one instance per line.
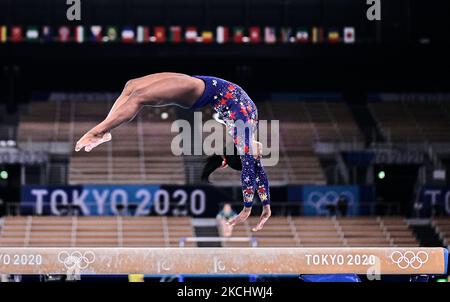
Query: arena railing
x=278, y=208
x=29, y=208
x=298, y=208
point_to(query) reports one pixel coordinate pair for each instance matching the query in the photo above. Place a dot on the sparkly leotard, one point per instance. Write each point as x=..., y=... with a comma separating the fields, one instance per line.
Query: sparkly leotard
x=240, y=116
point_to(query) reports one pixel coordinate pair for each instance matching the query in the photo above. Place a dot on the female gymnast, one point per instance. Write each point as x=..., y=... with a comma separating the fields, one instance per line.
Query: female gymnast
x=233, y=106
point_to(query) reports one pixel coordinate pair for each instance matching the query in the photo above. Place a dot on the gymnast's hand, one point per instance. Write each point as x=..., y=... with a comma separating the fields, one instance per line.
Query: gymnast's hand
x=91, y=140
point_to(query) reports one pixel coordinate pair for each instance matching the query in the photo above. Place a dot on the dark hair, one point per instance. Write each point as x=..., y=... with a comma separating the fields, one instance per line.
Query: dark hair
x=215, y=161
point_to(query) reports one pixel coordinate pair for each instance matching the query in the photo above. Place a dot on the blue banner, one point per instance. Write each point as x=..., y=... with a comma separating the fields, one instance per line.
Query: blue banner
x=434, y=200
x=323, y=200
x=172, y=200
x=136, y=200
x=89, y=199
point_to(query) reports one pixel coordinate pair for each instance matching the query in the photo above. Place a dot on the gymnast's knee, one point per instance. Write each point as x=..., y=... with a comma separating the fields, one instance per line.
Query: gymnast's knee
x=130, y=87
x=248, y=194
x=264, y=195
x=142, y=97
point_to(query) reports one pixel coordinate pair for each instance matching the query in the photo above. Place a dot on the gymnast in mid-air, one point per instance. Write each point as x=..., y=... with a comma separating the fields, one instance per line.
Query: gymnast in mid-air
x=233, y=107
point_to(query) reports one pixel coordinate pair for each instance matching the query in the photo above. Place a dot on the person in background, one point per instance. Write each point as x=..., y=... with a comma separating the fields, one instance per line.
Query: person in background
x=331, y=208
x=342, y=205
x=224, y=216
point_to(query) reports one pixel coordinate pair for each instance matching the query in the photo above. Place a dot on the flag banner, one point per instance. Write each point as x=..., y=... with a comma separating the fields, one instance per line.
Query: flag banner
x=128, y=35
x=238, y=34
x=222, y=34
x=302, y=35
x=270, y=35
x=79, y=34
x=286, y=35
x=143, y=34
x=207, y=36
x=315, y=35
x=334, y=36
x=175, y=34
x=160, y=34
x=190, y=34
x=16, y=34
x=32, y=34
x=349, y=35
x=111, y=34
x=96, y=33
x=3, y=34
x=47, y=34
x=146, y=34
x=64, y=34
x=140, y=34
x=255, y=34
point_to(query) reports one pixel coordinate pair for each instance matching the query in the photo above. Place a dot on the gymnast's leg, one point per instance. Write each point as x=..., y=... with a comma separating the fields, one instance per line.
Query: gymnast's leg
x=253, y=178
x=248, y=182
x=263, y=190
x=130, y=87
x=140, y=83
x=151, y=91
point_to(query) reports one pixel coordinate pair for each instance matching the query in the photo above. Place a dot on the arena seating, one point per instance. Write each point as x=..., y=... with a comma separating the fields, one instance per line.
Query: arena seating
x=373, y=231
x=139, y=152
x=94, y=231
x=413, y=121
x=167, y=231
x=302, y=124
x=442, y=226
x=325, y=121
x=323, y=231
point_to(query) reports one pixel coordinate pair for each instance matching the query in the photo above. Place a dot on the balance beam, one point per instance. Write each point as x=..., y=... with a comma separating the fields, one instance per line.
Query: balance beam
x=171, y=261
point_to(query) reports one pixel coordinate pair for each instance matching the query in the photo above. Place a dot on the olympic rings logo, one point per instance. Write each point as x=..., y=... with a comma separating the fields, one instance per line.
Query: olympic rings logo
x=318, y=200
x=409, y=259
x=76, y=260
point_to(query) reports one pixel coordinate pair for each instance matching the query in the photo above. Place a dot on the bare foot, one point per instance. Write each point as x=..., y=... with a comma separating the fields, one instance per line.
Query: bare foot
x=243, y=215
x=91, y=140
x=265, y=215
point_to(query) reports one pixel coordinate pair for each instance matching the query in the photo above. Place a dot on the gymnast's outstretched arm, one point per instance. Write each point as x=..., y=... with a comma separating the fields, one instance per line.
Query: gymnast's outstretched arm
x=165, y=90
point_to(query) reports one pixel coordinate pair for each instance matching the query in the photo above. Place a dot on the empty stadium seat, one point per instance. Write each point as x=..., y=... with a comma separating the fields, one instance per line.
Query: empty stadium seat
x=95, y=231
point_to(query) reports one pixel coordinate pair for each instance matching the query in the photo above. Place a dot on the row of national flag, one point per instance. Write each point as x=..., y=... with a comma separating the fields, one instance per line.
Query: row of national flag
x=175, y=34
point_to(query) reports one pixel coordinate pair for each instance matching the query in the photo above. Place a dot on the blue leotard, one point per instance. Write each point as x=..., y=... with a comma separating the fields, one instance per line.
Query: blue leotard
x=236, y=108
